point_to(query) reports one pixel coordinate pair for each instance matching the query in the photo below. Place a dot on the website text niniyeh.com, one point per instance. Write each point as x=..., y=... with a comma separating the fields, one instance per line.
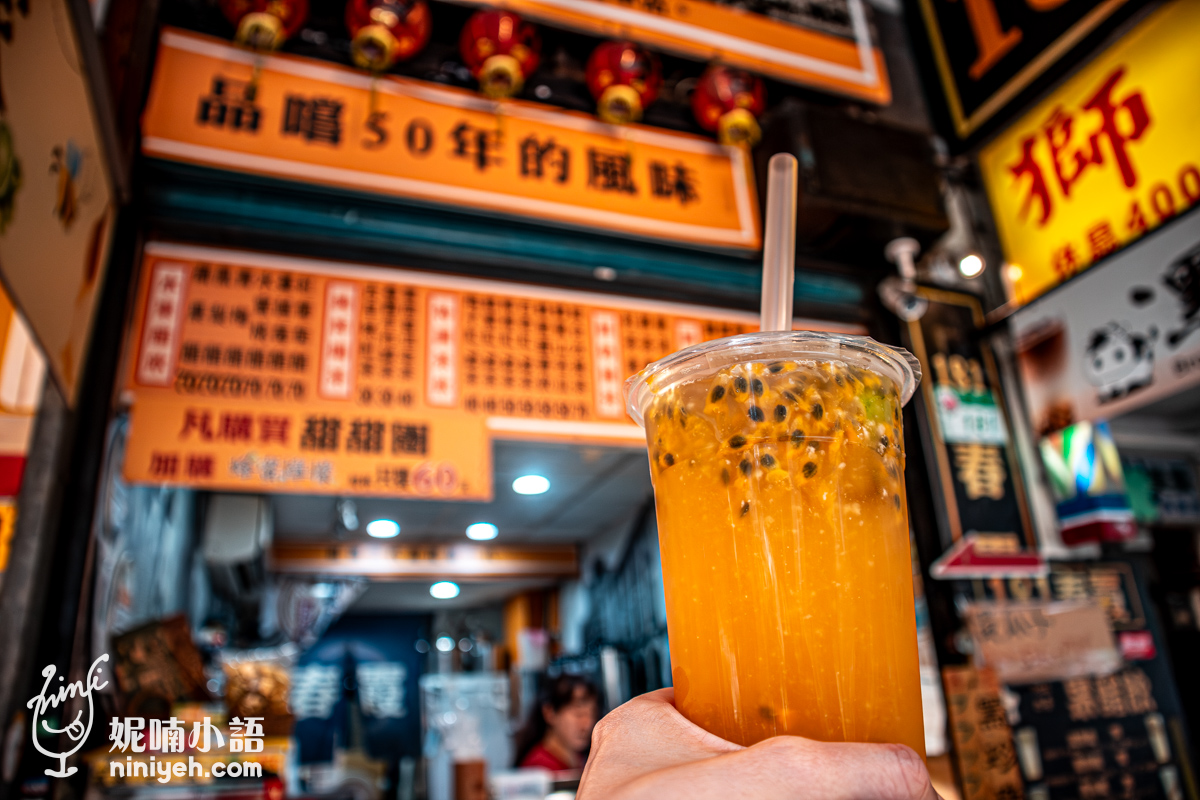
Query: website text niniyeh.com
x=164, y=771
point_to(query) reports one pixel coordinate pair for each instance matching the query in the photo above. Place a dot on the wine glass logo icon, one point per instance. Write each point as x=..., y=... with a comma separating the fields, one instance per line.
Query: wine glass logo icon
x=76, y=730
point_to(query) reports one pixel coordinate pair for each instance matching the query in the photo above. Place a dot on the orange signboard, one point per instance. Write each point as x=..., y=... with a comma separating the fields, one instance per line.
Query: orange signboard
x=263, y=373
x=311, y=121
x=1106, y=158
x=834, y=54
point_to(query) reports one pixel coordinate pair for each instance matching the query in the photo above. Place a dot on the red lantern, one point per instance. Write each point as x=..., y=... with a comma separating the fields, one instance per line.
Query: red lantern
x=624, y=78
x=500, y=50
x=727, y=102
x=386, y=31
x=265, y=24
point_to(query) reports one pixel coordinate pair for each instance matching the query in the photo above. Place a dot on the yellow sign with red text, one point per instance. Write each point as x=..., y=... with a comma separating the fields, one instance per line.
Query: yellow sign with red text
x=262, y=373
x=310, y=121
x=835, y=54
x=1108, y=157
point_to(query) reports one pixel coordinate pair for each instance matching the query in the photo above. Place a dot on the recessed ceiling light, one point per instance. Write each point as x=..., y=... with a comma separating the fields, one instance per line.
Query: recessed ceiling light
x=383, y=528
x=531, y=484
x=444, y=590
x=444, y=643
x=482, y=531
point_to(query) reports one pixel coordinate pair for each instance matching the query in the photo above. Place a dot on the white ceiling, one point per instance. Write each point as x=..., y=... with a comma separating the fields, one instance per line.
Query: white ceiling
x=594, y=491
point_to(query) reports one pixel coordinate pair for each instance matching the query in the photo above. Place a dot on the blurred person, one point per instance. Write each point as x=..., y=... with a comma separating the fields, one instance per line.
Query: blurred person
x=646, y=750
x=559, y=729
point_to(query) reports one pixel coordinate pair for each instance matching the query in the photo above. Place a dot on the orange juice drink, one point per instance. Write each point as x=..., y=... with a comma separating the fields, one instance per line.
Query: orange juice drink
x=778, y=470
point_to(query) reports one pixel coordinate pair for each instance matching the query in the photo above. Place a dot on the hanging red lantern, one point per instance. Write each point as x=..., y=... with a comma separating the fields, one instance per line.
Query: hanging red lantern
x=265, y=24
x=624, y=78
x=501, y=50
x=386, y=31
x=728, y=102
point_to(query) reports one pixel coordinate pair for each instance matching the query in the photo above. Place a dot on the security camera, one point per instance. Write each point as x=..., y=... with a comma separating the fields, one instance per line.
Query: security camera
x=899, y=293
x=899, y=296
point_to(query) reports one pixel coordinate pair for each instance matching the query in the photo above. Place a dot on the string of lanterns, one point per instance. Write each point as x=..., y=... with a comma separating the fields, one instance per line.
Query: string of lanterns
x=502, y=51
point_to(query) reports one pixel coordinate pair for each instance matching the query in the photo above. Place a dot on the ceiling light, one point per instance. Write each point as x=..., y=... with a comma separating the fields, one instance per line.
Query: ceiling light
x=444, y=643
x=482, y=531
x=444, y=590
x=323, y=591
x=383, y=528
x=970, y=265
x=531, y=484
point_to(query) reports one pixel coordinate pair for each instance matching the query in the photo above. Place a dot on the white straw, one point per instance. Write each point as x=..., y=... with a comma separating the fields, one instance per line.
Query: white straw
x=779, y=245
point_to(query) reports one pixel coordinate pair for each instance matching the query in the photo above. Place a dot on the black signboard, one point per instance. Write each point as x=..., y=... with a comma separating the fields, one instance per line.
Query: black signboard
x=985, y=59
x=964, y=423
x=1104, y=736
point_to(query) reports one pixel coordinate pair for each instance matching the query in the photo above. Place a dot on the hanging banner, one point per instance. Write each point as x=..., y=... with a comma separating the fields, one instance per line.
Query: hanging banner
x=57, y=196
x=973, y=465
x=310, y=121
x=987, y=55
x=1123, y=335
x=261, y=373
x=827, y=47
x=1106, y=158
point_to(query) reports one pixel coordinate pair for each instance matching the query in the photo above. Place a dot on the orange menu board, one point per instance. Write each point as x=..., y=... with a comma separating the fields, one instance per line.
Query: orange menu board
x=218, y=105
x=827, y=47
x=264, y=373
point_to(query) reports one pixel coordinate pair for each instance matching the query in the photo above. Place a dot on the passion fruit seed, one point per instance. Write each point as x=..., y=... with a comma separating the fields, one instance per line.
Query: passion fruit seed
x=896, y=501
x=883, y=442
x=780, y=413
x=725, y=475
x=669, y=460
x=767, y=461
x=817, y=411
x=756, y=414
x=776, y=367
x=797, y=437
x=745, y=507
x=757, y=386
x=737, y=441
x=791, y=398
x=739, y=384
x=745, y=466
x=718, y=392
x=810, y=469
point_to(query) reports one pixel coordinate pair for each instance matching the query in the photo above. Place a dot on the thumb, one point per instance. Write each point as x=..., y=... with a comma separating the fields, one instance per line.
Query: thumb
x=791, y=768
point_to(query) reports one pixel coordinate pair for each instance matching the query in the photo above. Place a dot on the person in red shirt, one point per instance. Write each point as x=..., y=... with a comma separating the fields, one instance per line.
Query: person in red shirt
x=559, y=729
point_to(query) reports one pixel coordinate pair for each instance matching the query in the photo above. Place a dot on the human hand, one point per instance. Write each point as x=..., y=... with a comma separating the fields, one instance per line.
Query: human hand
x=646, y=750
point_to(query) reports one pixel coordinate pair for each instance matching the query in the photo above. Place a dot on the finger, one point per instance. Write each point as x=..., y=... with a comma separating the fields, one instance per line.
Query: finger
x=643, y=736
x=790, y=768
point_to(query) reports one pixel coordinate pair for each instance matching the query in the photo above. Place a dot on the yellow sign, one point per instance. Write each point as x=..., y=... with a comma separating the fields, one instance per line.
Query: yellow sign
x=314, y=122
x=1109, y=156
x=8, y=524
x=261, y=373
x=838, y=57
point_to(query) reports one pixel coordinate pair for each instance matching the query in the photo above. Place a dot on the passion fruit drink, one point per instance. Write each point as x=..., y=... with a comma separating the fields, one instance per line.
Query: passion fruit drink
x=778, y=470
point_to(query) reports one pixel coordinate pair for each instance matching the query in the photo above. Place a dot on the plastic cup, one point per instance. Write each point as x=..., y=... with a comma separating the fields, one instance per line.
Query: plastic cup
x=778, y=467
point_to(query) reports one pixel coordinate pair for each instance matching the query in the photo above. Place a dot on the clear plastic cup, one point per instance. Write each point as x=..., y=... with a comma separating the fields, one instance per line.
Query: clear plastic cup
x=778, y=467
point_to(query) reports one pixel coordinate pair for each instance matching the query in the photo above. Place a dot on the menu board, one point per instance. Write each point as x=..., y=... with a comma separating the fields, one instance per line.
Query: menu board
x=261, y=373
x=1117, y=735
x=218, y=105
